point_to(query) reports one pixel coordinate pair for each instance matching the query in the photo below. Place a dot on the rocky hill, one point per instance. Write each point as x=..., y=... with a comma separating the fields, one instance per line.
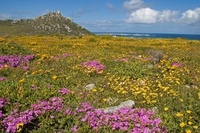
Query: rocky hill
x=52, y=23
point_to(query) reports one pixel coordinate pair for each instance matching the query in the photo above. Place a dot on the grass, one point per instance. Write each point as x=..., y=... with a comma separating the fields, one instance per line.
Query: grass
x=161, y=75
x=49, y=24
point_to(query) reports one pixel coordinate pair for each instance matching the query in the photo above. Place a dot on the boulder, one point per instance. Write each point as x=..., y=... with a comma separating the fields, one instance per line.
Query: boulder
x=126, y=104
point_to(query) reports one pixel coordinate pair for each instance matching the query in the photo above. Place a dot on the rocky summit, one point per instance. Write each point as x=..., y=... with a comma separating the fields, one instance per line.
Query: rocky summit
x=52, y=23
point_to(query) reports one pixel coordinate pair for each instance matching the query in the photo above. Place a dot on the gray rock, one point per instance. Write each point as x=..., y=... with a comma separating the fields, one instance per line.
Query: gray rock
x=126, y=104
x=89, y=87
x=156, y=55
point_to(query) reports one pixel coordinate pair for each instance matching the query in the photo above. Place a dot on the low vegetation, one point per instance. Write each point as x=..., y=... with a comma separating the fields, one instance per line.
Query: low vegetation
x=43, y=83
x=52, y=23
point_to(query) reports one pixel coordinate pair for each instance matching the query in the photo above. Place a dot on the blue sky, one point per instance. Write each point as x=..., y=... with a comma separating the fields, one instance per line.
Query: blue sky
x=140, y=16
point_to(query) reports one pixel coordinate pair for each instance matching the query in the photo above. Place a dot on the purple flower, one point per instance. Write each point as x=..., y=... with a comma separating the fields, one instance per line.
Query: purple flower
x=94, y=66
x=65, y=55
x=25, y=68
x=123, y=128
x=75, y=129
x=138, y=120
x=143, y=120
x=3, y=78
x=52, y=117
x=1, y=114
x=176, y=64
x=13, y=61
x=11, y=121
x=33, y=87
x=64, y=91
x=67, y=112
x=3, y=102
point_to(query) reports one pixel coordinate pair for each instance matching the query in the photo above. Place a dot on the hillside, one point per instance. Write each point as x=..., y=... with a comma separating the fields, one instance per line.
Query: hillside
x=52, y=23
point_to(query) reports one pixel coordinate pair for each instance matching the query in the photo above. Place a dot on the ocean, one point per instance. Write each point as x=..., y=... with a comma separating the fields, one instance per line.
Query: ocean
x=150, y=35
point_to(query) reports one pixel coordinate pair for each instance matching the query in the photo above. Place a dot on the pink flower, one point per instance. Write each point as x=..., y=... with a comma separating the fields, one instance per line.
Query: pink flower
x=25, y=68
x=176, y=64
x=64, y=91
x=2, y=78
x=67, y=111
x=52, y=117
x=94, y=66
x=75, y=128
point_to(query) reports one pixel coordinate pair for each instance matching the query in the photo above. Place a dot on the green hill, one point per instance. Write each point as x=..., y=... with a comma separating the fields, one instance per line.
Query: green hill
x=52, y=23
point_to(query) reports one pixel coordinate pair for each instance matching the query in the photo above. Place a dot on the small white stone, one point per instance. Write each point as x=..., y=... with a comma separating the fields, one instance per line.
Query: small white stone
x=89, y=87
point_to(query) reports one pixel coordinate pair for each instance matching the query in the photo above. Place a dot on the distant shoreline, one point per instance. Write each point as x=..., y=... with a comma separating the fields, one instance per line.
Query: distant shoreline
x=150, y=35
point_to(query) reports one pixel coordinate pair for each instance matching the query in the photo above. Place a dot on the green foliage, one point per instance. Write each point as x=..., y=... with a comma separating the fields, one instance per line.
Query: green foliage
x=131, y=73
x=52, y=23
x=134, y=69
x=13, y=49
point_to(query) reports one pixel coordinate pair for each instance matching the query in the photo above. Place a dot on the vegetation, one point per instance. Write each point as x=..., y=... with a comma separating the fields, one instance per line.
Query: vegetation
x=52, y=23
x=43, y=83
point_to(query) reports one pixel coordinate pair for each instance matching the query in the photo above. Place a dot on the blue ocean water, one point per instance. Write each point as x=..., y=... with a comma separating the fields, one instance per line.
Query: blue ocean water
x=150, y=35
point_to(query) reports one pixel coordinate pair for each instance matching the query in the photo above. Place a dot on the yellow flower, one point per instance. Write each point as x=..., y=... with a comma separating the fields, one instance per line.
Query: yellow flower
x=104, y=99
x=182, y=124
x=124, y=92
x=188, y=131
x=6, y=66
x=19, y=127
x=166, y=109
x=21, y=81
x=94, y=90
x=159, y=66
x=199, y=95
x=195, y=127
x=20, y=124
x=181, y=99
x=190, y=123
x=188, y=111
x=179, y=114
x=33, y=72
x=101, y=89
x=54, y=77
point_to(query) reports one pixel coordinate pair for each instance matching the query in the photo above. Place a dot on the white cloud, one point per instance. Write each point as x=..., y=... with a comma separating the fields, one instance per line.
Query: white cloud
x=191, y=16
x=5, y=16
x=143, y=15
x=134, y=4
x=149, y=16
x=168, y=16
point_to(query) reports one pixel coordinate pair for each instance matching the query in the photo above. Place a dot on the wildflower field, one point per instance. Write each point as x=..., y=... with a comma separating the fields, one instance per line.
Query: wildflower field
x=44, y=84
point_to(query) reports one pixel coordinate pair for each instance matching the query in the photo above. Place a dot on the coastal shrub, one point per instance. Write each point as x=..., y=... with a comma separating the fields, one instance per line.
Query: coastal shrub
x=44, y=84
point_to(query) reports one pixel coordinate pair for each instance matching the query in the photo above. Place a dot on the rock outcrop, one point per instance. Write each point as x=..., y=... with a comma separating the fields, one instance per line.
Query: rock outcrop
x=52, y=23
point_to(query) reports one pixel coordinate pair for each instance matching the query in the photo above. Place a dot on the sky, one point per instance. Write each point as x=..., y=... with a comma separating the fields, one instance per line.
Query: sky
x=137, y=16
